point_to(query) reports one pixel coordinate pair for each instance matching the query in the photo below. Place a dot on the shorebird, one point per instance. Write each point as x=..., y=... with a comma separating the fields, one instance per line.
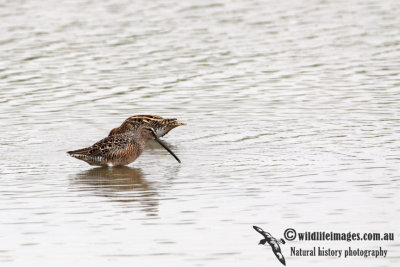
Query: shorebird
x=273, y=242
x=119, y=149
x=161, y=125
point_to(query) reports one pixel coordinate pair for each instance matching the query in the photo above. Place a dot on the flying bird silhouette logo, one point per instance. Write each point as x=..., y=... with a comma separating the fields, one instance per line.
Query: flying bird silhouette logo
x=273, y=242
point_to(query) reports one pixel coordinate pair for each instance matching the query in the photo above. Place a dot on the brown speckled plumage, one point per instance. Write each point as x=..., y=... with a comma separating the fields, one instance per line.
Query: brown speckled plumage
x=161, y=125
x=118, y=149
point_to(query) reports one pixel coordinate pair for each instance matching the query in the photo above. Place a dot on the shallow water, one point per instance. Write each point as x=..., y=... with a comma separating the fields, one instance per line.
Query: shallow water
x=293, y=121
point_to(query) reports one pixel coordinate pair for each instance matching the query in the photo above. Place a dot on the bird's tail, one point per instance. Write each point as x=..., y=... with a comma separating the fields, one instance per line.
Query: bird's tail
x=79, y=153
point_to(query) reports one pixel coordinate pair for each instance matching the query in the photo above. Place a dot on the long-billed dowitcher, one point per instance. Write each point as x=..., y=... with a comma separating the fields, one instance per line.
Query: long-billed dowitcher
x=161, y=125
x=119, y=149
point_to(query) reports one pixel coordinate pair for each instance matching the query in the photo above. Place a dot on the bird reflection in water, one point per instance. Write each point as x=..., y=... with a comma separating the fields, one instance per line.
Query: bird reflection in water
x=121, y=184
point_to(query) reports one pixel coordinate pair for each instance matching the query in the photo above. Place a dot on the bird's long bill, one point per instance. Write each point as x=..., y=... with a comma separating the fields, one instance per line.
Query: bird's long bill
x=166, y=148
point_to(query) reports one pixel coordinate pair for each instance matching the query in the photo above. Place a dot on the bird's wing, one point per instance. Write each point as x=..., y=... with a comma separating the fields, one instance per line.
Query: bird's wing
x=277, y=251
x=258, y=229
x=113, y=146
x=261, y=231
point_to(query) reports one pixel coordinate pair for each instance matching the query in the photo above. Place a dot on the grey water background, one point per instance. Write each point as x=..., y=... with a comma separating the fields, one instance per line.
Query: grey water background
x=292, y=112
